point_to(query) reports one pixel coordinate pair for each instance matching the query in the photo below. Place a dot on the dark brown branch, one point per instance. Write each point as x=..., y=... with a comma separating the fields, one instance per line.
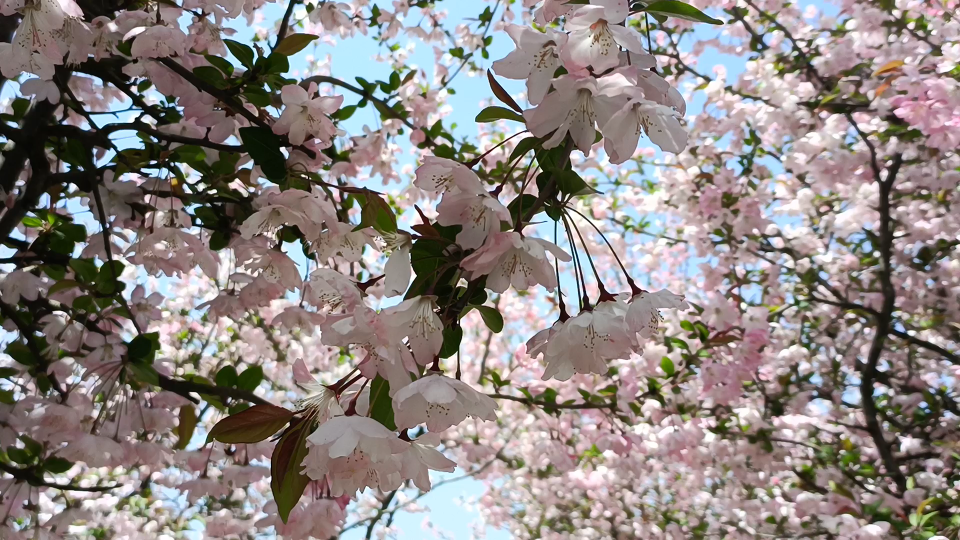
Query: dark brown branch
x=546, y=405
x=171, y=137
x=924, y=344
x=34, y=478
x=285, y=22
x=184, y=388
x=884, y=318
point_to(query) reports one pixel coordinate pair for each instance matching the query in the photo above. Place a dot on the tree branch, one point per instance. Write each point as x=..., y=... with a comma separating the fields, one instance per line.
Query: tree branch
x=547, y=405
x=184, y=388
x=883, y=319
x=172, y=137
x=34, y=478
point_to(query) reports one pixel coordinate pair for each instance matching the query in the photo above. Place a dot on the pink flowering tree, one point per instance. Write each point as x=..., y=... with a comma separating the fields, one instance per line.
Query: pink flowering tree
x=228, y=301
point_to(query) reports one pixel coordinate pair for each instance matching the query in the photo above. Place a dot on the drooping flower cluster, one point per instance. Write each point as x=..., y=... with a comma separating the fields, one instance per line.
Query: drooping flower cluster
x=610, y=82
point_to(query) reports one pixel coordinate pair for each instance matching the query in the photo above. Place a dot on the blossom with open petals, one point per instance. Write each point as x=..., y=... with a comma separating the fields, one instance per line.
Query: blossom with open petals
x=584, y=344
x=440, y=175
x=643, y=315
x=440, y=402
x=417, y=320
x=535, y=59
x=577, y=105
x=352, y=453
x=597, y=35
x=421, y=457
x=509, y=258
x=478, y=214
x=304, y=116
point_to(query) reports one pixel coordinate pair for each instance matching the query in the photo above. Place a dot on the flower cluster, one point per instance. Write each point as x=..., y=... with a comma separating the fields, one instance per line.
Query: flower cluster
x=609, y=81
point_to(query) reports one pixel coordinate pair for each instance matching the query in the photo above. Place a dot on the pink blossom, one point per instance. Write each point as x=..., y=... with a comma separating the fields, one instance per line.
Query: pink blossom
x=509, y=258
x=440, y=402
x=576, y=106
x=535, y=59
x=478, y=214
x=304, y=116
x=353, y=453
x=595, y=34
x=159, y=42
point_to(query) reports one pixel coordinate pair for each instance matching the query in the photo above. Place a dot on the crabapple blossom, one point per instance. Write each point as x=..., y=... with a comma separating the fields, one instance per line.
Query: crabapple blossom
x=397, y=268
x=578, y=103
x=535, y=59
x=659, y=122
x=304, y=116
x=597, y=35
x=510, y=258
x=643, y=314
x=421, y=457
x=441, y=175
x=354, y=452
x=20, y=284
x=440, y=402
x=478, y=214
x=416, y=319
x=586, y=342
x=329, y=289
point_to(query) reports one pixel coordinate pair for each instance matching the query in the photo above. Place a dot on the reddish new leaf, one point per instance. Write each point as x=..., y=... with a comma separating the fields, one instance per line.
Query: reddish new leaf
x=287, y=481
x=502, y=94
x=250, y=426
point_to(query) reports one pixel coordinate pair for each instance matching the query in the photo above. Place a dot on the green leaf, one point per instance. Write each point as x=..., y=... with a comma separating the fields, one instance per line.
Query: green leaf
x=62, y=286
x=19, y=455
x=293, y=44
x=107, y=282
x=31, y=446
x=452, y=336
x=522, y=203
x=219, y=240
x=680, y=10
x=243, y=53
x=74, y=231
x=85, y=269
x=376, y=213
x=344, y=113
x=188, y=423
x=250, y=378
x=32, y=222
x=143, y=347
x=211, y=75
x=264, y=147
x=666, y=364
x=57, y=465
x=144, y=373
x=276, y=63
x=381, y=406
x=570, y=183
x=227, y=376
x=257, y=96
x=21, y=353
x=286, y=480
x=491, y=317
x=220, y=63
x=525, y=145
x=494, y=113
x=251, y=425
